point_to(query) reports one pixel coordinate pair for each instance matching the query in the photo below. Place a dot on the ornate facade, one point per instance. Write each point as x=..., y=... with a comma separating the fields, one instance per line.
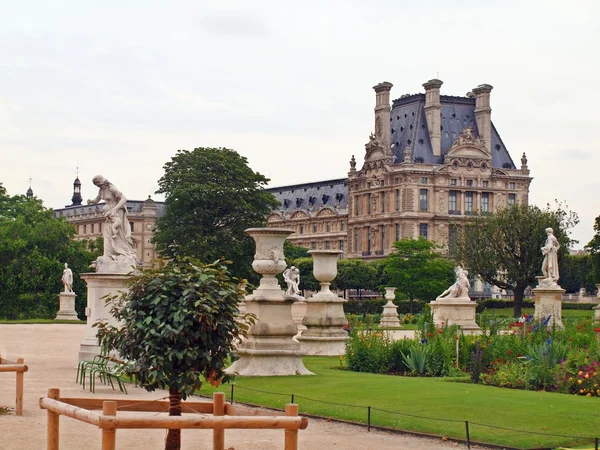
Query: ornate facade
x=432, y=161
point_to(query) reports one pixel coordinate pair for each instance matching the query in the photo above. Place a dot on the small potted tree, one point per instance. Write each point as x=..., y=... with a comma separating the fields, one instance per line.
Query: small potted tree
x=177, y=323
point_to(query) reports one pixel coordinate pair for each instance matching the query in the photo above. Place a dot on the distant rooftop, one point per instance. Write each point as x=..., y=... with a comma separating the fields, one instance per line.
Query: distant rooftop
x=312, y=196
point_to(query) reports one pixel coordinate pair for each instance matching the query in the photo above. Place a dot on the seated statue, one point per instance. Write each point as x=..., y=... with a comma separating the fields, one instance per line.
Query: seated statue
x=460, y=288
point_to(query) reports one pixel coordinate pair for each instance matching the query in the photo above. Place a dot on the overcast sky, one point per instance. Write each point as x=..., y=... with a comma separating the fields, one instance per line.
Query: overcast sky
x=116, y=87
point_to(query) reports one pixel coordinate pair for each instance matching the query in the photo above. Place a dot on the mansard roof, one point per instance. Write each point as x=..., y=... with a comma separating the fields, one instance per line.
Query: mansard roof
x=133, y=206
x=409, y=129
x=312, y=196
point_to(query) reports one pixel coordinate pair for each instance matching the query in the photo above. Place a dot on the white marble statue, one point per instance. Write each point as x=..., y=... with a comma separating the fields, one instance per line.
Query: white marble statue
x=550, y=252
x=119, y=255
x=67, y=279
x=292, y=278
x=460, y=288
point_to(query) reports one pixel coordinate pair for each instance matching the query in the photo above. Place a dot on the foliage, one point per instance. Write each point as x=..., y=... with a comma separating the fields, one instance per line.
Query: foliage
x=504, y=248
x=34, y=245
x=417, y=271
x=416, y=359
x=375, y=306
x=594, y=248
x=579, y=374
x=176, y=323
x=212, y=196
x=355, y=274
x=293, y=252
x=576, y=271
x=368, y=351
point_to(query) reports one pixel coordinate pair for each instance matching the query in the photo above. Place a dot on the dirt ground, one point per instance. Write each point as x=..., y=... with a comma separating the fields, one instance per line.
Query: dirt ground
x=50, y=351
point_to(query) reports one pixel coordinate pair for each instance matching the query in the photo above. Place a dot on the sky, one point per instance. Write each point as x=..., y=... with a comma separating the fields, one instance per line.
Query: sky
x=117, y=87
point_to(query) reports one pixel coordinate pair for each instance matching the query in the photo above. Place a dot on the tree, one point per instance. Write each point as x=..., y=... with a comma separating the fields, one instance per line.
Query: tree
x=576, y=272
x=504, y=249
x=307, y=278
x=212, y=196
x=418, y=271
x=34, y=245
x=594, y=248
x=355, y=274
x=177, y=323
x=293, y=252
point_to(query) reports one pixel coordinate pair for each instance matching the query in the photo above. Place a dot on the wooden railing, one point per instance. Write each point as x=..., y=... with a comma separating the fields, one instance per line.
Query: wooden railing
x=20, y=368
x=224, y=416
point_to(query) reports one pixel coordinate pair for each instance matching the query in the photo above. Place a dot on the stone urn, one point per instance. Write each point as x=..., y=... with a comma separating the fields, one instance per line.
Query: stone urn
x=269, y=349
x=324, y=318
x=389, y=317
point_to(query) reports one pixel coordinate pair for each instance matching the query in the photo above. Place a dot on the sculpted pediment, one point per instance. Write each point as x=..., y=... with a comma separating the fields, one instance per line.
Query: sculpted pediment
x=299, y=215
x=468, y=146
x=377, y=153
x=326, y=211
x=275, y=217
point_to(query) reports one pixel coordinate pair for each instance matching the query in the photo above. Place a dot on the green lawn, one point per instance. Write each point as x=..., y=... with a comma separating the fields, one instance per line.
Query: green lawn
x=429, y=397
x=38, y=321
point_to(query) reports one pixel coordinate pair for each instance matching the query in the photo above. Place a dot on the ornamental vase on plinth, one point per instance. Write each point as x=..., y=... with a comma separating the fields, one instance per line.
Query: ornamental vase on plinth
x=269, y=349
x=324, y=318
x=389, y=317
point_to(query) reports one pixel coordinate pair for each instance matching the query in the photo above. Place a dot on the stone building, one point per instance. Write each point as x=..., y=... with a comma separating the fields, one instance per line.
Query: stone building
x=89, y=221
x=432, y=161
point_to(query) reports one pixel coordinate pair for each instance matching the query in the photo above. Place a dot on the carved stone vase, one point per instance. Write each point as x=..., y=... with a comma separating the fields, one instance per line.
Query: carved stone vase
x=269, y=349
x=324, y=319
x=389, y=318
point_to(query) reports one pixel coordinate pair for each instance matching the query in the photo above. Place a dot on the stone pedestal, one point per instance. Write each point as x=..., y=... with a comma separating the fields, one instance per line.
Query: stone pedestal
x=389, y=317
x=298, y=313
x=455, y=311
x=548, y=301
x=324, y=319
x=98, y=286
x=269, y=349
x=66, y=306
x=597, y=313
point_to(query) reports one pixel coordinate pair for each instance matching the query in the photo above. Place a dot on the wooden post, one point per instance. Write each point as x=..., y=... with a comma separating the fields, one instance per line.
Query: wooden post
x=19, y=401
x=53, y=421
x=291, y=436
x=109, y=436
x=218, y=410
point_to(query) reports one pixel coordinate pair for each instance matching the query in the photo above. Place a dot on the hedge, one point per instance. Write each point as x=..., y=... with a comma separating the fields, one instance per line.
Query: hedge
x=375, y=306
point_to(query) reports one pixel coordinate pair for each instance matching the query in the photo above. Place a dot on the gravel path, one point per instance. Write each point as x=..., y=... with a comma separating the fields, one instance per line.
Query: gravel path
x=51, y=351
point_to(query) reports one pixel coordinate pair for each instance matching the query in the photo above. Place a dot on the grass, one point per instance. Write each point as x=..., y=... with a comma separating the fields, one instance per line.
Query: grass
x=428, y=397
x=39, y=321
x=566, y=313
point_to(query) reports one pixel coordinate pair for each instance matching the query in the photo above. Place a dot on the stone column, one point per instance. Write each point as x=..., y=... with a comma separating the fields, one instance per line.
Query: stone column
x=324, y=319
x=269, y=349
x=389, y=318
x=548, y=301
x=67, y=306
x=99, y=285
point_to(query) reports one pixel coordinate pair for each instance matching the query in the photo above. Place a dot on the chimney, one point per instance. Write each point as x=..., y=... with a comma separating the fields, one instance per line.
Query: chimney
x=483, y=113
x=433, y=109
x=383, y=130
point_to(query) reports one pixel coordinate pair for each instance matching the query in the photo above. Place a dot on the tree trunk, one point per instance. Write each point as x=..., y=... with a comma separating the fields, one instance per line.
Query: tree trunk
x=518, y=291
x=173, y=441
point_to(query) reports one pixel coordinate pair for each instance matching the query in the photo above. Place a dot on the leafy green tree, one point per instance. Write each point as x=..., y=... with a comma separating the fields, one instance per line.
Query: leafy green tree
x=176, y=324
x=576, y=272
x=418, y=271
x=293, y=252
x=307, y=278
x=212, y=196
x=355, y=274
x=34, y=245
x=504, y=249
x=594, y=248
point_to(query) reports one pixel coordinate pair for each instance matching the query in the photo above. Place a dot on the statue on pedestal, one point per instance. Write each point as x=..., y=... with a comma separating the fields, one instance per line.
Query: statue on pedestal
x=119, y=255
x=291, y=276
x=67, y=279
x=550, y=252
x=460, y=288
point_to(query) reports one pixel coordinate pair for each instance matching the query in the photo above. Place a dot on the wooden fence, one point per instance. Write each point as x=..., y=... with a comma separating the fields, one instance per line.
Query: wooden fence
x=20, y=368
x=224, y=416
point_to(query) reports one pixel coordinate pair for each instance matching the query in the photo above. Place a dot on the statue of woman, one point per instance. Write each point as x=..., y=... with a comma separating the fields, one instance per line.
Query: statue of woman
x=550, y=252
x=118, y=245
x=67, y=279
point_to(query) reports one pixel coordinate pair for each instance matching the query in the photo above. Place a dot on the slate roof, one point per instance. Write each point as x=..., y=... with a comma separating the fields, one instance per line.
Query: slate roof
x=133, y=206
x=409, y=128
x=312, y=196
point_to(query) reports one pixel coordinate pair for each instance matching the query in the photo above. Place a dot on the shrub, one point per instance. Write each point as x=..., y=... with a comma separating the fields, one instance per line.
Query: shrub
x=511, y=374
x=368, y=351
x=579, y=374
